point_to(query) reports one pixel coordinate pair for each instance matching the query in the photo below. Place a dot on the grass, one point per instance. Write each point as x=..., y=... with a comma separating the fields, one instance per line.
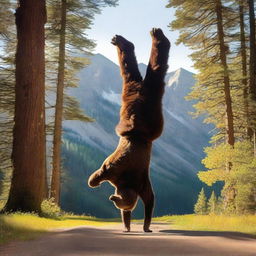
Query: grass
x=21, y=226
x=244, y=224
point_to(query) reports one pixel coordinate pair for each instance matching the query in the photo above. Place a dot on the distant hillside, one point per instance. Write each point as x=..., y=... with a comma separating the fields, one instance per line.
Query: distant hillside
x=176, y=155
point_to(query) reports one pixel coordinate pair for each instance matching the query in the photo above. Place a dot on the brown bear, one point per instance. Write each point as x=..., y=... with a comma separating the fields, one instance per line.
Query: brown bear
x=141, y=122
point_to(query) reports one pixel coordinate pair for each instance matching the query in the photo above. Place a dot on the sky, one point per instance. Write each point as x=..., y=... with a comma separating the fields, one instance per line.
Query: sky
x=133, y=19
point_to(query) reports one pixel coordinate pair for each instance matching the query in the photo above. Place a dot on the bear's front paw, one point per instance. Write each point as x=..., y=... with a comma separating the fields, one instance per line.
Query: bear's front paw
x=114, y=198
x=122, y=43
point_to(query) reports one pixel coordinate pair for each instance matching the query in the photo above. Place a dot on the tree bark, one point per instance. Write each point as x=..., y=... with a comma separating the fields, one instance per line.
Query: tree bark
x=226, y=80
x=28, y=156
x=244, y=67
x=56, y=171
x=252, y=66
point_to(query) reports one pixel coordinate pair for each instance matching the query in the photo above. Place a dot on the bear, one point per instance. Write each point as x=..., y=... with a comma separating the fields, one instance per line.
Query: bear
x=141, y=122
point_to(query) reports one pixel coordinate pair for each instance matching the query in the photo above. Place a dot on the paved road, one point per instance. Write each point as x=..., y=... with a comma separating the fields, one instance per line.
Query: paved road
x=111, y=241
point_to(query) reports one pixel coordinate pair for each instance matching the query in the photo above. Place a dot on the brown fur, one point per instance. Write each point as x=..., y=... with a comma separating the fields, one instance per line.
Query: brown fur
x=141, y=122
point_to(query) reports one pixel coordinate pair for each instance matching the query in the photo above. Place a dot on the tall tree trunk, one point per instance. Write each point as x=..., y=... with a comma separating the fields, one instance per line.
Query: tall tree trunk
x=252, y=85
x=226, y=80
x=244, y=66
x=28, y=181
x=46, y=188
x=55, y=183
x=230, y=191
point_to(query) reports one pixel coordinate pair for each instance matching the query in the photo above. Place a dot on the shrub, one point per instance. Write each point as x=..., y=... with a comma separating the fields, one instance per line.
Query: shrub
x=50, y=209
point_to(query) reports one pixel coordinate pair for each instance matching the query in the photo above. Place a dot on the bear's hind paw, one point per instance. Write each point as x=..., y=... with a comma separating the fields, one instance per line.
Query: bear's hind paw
x=114, y=40
x=122, y=43
x=158, y=34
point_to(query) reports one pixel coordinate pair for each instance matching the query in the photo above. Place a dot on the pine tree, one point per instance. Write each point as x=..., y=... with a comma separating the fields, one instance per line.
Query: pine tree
x=223, y=49
x=212, y=204
x=201, y=26
x=243, y=54
x=200, y=207
x=252, y=70
x=68, y=24
x=219, y=205
x=252, y=84
x=55, y=182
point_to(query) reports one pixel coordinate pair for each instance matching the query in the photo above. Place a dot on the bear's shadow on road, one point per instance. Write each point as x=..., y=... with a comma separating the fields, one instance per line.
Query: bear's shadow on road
x=225, y=234
x=170, y=232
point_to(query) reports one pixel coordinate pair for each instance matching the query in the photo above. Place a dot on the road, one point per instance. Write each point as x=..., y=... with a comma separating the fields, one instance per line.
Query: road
x=111, y=241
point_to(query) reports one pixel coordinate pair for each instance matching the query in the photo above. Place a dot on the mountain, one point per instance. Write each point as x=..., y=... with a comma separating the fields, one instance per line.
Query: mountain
x=176, y=154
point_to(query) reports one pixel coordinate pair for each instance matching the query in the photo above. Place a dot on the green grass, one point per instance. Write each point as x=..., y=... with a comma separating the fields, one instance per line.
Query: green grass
x=244, y=224
x=21, y=226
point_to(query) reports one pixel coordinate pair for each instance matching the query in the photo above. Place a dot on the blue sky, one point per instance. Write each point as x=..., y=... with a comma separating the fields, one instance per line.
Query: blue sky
x=133, y=19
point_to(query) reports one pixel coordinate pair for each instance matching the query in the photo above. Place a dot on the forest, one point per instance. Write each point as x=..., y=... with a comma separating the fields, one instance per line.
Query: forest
x=40, y=56
x=222, y=37
x=44, y=44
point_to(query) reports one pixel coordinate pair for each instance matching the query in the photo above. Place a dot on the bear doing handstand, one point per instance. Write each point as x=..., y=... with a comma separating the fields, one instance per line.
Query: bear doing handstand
x=141, y=122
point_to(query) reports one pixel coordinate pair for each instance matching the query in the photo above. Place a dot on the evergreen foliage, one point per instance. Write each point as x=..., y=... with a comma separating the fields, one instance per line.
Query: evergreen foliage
x=201, y=204
x=7, y=76
x=218, y=33
x=212, y=204
x=242, y=175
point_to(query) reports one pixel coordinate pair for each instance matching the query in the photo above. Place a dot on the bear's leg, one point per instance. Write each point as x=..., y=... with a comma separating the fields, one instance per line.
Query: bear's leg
x=148, y=198
x=127, y=60
x=126, y=218
x=158, y=62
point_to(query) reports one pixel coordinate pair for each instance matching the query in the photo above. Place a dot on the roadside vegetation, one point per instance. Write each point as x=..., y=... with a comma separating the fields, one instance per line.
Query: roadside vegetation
x=244, y=223
x=25, y=226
